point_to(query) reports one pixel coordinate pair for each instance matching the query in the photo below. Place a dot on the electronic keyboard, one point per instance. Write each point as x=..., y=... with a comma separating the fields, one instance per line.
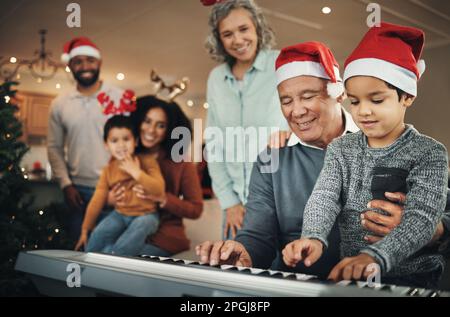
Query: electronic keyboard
x=71, y=273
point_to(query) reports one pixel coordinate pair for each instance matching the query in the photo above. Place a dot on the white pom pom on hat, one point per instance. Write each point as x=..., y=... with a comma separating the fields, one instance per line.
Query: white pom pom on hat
x=335, y=90
x=421, y=66
x=65, y=58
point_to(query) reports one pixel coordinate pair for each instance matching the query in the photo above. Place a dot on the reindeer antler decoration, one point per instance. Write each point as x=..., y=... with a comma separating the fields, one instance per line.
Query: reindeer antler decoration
x=178, y=88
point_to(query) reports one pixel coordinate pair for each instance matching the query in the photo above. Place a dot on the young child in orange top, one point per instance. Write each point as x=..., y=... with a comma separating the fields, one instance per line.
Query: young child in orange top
x=124, y=230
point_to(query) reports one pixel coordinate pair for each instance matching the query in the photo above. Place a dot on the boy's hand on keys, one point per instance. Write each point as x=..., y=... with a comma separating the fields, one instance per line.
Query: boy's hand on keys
x=306, y=250
x=354, y=268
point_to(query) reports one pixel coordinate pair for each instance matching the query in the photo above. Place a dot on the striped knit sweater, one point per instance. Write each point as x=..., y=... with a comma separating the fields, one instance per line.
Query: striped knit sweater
x=345, y=186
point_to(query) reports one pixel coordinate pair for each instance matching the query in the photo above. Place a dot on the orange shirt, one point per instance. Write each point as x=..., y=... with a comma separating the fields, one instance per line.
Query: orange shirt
x=150, y=177
x=184, y=200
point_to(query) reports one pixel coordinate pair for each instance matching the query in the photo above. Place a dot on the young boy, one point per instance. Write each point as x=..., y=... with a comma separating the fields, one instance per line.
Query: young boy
x=124, y=230
x=386, y=155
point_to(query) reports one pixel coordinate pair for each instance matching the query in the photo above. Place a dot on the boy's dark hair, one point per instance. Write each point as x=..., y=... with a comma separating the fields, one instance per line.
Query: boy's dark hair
x=119, y=121
x=400, y=92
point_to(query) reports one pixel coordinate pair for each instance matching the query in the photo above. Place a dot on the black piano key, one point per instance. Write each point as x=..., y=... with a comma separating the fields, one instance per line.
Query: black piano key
x=434, y=294
x=168, y=260
x=263, y=273
x=414, y=292
x=150, y=258
x=291, y=277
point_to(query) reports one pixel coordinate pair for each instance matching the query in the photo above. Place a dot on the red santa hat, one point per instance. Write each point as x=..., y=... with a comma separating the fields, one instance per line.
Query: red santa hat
x=79, y=46
x=208, y=3
x=310, y=59
x=391, y=53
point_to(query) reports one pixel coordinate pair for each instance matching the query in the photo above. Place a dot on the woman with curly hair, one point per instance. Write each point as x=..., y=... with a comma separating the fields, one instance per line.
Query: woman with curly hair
x=155, y=120
x=241, y=93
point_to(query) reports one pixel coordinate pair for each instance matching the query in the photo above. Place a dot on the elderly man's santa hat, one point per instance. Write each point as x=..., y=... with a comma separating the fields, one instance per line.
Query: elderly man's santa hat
x=310, y=59
x=391, y=53
x=79, y=46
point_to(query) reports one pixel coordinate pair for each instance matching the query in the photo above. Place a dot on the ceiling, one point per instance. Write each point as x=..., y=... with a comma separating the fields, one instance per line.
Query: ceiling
x=138, y=35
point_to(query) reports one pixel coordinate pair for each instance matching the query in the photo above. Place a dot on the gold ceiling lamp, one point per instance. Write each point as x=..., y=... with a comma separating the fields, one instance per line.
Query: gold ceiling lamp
x=168, y=92
x=42, y=67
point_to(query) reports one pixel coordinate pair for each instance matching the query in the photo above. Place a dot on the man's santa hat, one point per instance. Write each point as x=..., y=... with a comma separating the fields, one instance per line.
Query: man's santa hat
x=310, y=59
x=79, y=46
x=391, y=53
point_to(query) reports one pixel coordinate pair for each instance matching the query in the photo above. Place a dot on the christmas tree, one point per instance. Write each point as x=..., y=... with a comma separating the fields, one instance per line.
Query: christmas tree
x=21, y=228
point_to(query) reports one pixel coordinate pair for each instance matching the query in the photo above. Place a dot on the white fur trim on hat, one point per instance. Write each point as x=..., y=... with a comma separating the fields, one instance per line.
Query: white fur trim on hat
x=395, y=75
x=303, y=68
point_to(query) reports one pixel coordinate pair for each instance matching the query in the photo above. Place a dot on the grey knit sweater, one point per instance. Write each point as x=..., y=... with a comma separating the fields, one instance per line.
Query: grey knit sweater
x=345, y=186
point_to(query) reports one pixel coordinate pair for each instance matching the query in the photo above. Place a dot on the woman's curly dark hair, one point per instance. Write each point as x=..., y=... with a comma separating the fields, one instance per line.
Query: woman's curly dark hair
x=175, y=118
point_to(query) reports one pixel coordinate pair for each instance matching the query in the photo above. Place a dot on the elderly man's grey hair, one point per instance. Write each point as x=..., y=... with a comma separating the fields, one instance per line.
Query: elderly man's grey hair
x=266, y=38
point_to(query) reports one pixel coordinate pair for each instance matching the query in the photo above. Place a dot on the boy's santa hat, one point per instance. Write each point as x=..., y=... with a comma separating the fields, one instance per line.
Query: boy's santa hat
x=391, y=53
x=310, y=59
x=79, y=46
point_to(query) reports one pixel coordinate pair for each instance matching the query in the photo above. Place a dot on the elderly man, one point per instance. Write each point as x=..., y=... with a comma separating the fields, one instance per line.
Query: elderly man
x=309, y=91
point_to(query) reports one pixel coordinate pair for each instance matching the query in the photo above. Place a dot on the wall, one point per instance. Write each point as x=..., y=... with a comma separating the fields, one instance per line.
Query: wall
x=430, y=112
x=36, y=153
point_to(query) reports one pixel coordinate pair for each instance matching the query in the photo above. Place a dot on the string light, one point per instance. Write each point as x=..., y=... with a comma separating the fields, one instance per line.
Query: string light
x=190, y=103
x=13, y=60
x=23, y=246
x=13, y=217
x=67, y=69
x=41, y=212
x=7, y=136
x=7, y=99
x=25, y=176
x=57, y=230
x=326, y=10
x=35, y=246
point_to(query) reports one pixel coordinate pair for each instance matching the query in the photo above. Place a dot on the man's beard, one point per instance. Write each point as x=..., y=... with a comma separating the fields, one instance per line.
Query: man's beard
x=87, y=82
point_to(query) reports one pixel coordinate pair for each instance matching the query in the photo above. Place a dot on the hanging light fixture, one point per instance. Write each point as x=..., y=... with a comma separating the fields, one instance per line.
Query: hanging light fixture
x=42, y=67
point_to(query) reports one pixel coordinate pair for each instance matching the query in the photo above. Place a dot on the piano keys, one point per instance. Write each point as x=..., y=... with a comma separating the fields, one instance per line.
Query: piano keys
x=52, y=271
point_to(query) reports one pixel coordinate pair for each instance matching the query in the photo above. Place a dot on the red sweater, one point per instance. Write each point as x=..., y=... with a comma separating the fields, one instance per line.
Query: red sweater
x=181, y=180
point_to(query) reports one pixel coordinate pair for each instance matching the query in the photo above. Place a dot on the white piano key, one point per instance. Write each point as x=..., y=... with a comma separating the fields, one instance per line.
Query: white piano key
x=344, y=283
